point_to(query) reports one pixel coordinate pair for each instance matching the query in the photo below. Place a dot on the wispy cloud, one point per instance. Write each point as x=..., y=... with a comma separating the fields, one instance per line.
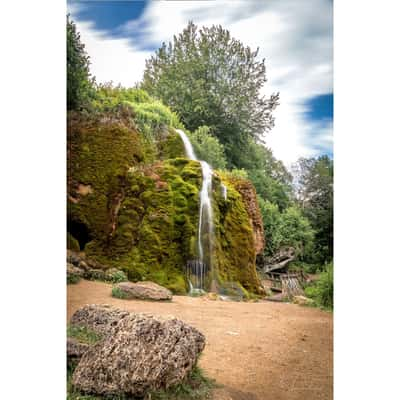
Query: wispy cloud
x=294, y=37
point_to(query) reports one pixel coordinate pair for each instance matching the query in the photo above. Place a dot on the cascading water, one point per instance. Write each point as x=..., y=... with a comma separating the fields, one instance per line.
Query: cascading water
x=196, y=269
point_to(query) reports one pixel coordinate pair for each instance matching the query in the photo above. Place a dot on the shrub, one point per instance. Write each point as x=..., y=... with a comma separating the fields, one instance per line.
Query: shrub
x=116, y=276
x=72, y=278
x=118, y=293
x=322, y=290
x=208, y=148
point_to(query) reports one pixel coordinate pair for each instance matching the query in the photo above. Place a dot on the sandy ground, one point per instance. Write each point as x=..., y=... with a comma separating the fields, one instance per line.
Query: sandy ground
x=256, y=351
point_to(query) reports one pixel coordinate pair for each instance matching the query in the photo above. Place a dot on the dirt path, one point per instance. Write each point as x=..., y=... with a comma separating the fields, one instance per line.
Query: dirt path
x=257, y=351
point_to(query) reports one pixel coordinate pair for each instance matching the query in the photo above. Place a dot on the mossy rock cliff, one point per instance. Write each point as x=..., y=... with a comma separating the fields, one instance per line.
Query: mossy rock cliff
x=134, y=205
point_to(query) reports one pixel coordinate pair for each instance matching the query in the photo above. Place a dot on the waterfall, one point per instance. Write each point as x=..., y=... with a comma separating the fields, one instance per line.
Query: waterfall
x=206, y=225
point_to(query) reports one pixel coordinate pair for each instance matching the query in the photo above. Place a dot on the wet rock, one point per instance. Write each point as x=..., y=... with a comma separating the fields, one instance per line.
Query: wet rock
x=144, y=353
x=102, y=319
x=144, y=290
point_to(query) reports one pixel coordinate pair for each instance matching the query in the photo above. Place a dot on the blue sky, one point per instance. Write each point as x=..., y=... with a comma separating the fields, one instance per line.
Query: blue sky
x=296, y=40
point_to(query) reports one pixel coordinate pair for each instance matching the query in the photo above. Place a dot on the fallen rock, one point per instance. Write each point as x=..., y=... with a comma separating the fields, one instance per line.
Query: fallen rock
x=72, y=270
x=144, y=290
x=144, y=353
x=101, y=319
x=95, y=274
x=302, y=300
x=75, y=349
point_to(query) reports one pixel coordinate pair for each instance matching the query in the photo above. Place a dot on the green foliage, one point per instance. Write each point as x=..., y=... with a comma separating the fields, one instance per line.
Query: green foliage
x=149, y=114
x=72, y=243
x=118, y=293
x=321, y=291
x=208, y=148
x=79, y=83
x=212, y=79
x=116, y=277
x=315, y=194
x=289, y=228
x=72, y=278
x=83, y=334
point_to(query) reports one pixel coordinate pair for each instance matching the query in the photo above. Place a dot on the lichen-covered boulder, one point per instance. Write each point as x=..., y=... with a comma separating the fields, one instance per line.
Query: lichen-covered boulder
x=144, y=291
x=144, y=353
x=101, y=319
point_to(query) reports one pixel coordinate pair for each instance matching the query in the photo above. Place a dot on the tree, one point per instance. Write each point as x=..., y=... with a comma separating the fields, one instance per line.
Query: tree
x=79, y=83
x=289, y=228
x=212, y=79
x=314, y=188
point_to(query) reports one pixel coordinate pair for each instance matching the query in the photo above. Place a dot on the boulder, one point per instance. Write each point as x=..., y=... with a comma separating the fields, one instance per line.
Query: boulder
x=75, y=349
x=144, y=290
x=95, y=274
x=101, y=319
x=72, y=270
x=143, y=353
x=302, y=300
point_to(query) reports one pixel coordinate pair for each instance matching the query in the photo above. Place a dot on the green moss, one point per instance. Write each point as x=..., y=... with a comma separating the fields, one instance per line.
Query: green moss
x=72, y=243
x=143, y=214
x=234, y=251
x=100, y=152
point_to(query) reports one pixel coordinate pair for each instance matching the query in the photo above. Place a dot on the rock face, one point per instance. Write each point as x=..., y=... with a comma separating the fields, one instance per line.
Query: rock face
x=144, y=291
x=142, y=353
x=249, y=195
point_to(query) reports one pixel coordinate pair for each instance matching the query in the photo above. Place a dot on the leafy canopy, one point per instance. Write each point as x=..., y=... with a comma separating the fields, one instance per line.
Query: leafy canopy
x=212, y=79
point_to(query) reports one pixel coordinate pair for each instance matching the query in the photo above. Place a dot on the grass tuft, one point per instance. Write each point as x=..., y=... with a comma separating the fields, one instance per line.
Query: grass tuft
x=118, y=293
x=83, y=334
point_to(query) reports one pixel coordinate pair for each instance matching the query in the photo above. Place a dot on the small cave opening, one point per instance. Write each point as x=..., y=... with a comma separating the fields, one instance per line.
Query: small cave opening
x=79, y=231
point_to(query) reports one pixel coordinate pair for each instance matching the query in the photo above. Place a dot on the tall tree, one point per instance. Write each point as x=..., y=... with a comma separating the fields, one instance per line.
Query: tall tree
x=314, y=178
x=79, y=83
x=212, y=79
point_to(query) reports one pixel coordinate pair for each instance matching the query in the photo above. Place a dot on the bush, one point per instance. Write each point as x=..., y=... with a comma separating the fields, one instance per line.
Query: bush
x=118, y=293
x=208, y=148
x=72, y=278
x=322, y=290
x=116, y=276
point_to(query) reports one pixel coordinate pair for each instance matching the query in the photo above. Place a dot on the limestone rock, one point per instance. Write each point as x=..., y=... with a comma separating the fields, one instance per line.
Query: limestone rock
x=144, y=290
x=102, y=319
x=249, y=196
x=302, y=300
x=144, y=353
x=72, y=270
x=75, y=349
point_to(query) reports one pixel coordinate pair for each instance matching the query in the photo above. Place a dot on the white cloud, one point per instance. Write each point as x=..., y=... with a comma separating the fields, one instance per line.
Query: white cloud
x=295, y=38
